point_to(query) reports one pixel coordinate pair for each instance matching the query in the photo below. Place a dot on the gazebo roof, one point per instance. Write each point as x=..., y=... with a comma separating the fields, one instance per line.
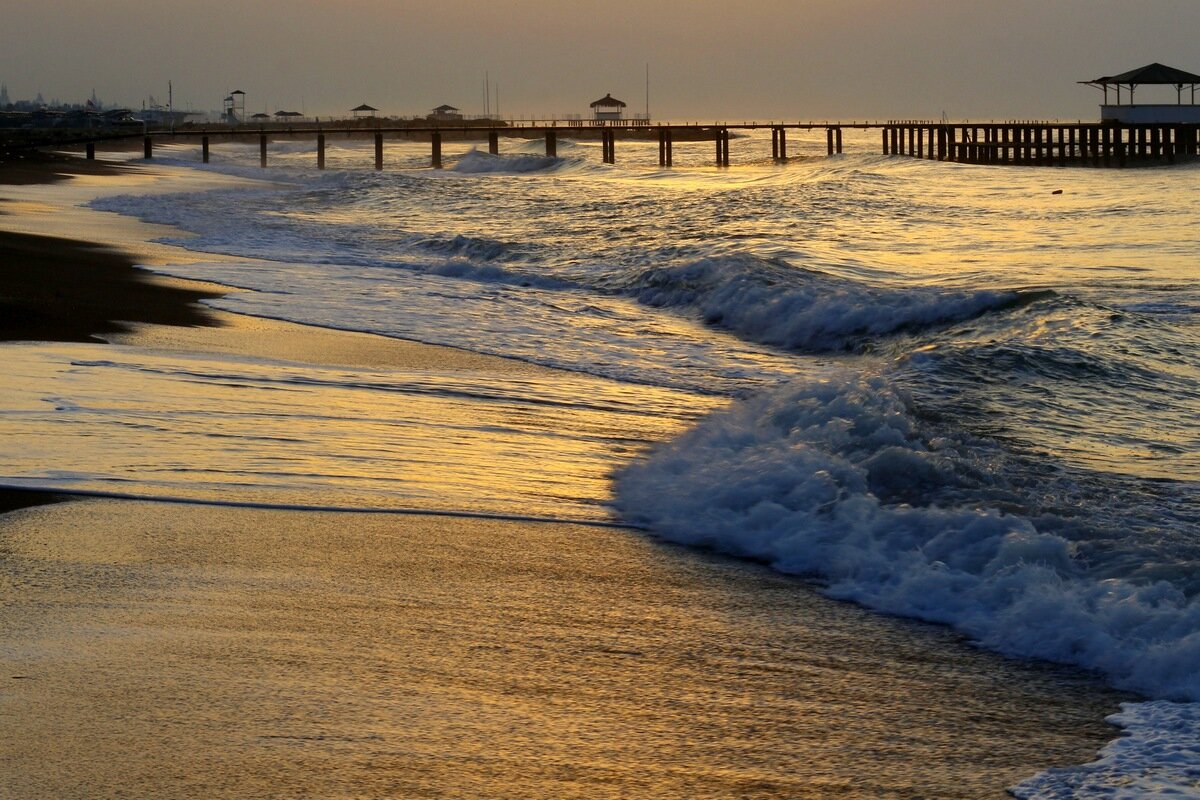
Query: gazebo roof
x=260, y=115
x=1156, y=73
x=365, y=107
x=445, y=108
x=288, y=114
x=608, y=101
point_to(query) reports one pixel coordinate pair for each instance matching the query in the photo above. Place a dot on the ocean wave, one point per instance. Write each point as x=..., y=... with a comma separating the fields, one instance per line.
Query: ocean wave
x=798, y=309
x=840, y=479
x=477, y=162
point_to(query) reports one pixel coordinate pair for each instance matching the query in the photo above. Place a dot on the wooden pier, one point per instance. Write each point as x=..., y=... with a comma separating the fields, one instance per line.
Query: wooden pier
x=1108, y=144
x=1043, y=143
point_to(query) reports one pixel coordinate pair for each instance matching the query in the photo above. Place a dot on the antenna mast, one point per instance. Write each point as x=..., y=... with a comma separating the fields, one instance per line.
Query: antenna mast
x=647, y=91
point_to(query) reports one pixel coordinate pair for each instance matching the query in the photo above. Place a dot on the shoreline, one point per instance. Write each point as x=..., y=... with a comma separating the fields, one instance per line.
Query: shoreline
x=230, y=652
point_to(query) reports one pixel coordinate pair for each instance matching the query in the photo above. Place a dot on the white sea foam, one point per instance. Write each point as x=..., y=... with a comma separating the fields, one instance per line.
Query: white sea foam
x=1158, y=757
x=838, y=479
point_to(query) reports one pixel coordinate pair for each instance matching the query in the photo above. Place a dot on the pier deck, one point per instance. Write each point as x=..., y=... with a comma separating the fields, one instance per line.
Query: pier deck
x=992, y=143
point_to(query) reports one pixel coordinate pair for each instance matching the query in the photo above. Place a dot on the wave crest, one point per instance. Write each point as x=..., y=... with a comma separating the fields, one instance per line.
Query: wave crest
x=797, y=309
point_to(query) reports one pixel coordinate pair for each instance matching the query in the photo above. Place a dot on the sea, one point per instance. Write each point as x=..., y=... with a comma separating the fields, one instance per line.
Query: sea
x=968, y=395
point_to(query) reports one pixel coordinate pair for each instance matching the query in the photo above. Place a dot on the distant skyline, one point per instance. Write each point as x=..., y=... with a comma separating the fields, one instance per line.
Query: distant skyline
x=764, y=59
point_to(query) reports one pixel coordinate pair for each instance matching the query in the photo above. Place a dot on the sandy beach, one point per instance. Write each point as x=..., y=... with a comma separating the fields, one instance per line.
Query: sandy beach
x=171, y=651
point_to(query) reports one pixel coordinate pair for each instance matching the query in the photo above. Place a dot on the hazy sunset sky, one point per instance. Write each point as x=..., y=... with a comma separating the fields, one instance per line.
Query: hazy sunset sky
x=765, y=59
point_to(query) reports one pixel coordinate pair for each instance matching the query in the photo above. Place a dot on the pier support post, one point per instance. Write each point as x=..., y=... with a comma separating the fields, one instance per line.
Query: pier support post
x=829, y=141
x=378, y=152
x=493, y=142
x=951, y=144
x=552, y=143
x=262, y=150
x=783, y=156
x=670, y=148
x=608, y=146
x=920, y=142
x=435, y=146
x=837, y=135
x=1119, y=146
x=91, y=151
x=885, y=142
x=204, y=149
x=1155, y=142
x=1106, y=145
x=147, y=147
x=775, y=144
x=941, y=143
x=662, y=146
x=320, y=151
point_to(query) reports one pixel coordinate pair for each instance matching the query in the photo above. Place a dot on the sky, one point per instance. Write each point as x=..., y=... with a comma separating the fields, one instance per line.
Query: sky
x=731, y=60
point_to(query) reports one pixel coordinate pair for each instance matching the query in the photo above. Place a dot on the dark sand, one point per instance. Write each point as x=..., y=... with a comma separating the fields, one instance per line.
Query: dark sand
x=163, y=651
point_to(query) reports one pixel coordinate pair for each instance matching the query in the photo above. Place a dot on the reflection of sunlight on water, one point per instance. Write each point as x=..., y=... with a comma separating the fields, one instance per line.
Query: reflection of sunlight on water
x=236, y=430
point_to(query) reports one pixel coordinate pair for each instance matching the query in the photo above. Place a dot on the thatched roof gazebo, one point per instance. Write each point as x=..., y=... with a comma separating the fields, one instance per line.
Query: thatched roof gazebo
x=445, y=112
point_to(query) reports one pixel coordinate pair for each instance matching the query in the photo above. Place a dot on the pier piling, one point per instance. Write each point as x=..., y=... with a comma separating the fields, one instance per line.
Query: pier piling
x=378, y=152
x=204, y=149
x=148, y=148
x=664, y=147
x=91, y=151
x=494, y=142
x=552, y=143
x=435, y=140
x=320, y=151
x=262, y=150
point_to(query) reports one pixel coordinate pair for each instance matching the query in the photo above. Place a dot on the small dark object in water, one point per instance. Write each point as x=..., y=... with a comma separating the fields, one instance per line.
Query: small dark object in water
x=1057, y=191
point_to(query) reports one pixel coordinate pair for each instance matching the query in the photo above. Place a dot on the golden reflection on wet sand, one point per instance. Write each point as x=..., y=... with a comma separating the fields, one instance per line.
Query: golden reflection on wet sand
x=156, y=651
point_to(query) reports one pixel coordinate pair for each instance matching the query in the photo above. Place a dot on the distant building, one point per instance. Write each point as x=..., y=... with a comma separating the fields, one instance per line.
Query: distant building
x=446, y=113
x=364, y=111
x=1133, y=113
x=608, y=107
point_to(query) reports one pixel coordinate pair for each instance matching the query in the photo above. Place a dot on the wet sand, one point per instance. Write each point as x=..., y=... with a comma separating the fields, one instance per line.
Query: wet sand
x=161, y=651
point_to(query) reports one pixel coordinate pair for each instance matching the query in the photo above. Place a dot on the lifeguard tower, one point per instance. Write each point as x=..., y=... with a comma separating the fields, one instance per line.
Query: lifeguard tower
x=235, y=107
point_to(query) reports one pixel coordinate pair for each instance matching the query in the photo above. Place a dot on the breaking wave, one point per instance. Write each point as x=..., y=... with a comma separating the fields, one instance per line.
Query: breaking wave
x=840, y=479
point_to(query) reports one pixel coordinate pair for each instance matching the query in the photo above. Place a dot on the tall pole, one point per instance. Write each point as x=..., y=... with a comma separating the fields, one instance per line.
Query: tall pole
x=647, y=90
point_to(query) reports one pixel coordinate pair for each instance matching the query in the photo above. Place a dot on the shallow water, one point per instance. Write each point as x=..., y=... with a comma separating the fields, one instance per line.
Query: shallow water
x=958, y=395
